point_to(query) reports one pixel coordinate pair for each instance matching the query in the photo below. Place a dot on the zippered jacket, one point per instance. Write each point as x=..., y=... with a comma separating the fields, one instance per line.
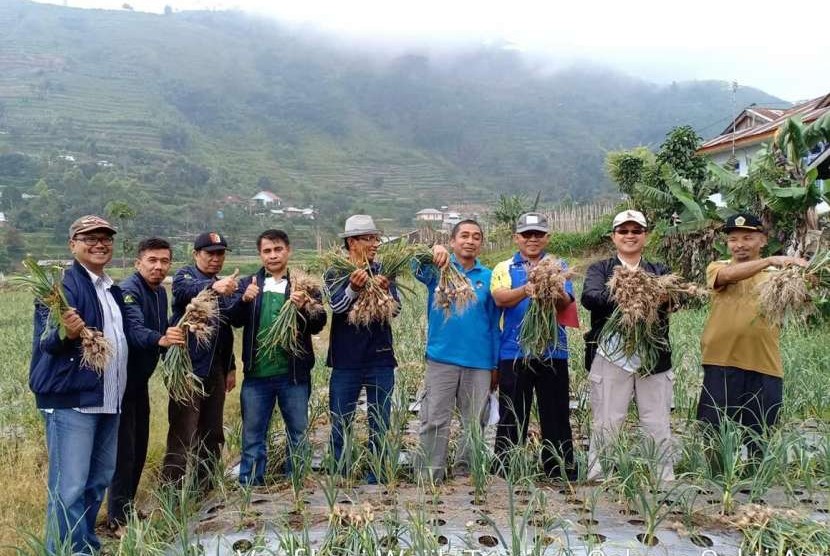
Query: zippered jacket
x=187, y=283
x=56, y=375
x=146, y=311
x=247, y=315
x=596, y=297
x=355, y=346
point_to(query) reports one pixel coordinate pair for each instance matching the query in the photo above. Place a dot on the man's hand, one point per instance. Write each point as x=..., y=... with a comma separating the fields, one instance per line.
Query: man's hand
x=73, y=323
x=782, y=262
x=299, y=299
x=382, y=281
x=440, y=256
x=174, y=336
x=251, y=291
x=494, y=380
x=227, y=285
x=230, y=381
x=358, y=279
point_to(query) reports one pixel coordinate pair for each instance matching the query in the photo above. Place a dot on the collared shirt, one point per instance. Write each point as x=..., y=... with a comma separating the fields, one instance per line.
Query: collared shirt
x=115, y=373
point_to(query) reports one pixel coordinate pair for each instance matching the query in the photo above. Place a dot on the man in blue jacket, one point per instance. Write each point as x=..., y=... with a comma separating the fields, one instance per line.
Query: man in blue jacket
x=520, y=375
x=145, y=302
x=195, y=430
x=461, y=353
x=80, y=408
x=275, y=376
x=360, y=356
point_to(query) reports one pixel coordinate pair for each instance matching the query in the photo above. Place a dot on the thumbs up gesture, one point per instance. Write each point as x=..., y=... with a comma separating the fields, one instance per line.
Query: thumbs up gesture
x=227, y=285
x=251, y=291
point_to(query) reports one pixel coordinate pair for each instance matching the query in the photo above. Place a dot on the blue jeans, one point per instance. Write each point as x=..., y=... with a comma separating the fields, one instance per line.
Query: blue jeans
x=344, y=389
x=82, y=449
x=259, y=395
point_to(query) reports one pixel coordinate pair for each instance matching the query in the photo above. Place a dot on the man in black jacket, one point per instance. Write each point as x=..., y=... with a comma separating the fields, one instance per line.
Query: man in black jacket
x=273, y=376
x=615, y=378
x=145, y=303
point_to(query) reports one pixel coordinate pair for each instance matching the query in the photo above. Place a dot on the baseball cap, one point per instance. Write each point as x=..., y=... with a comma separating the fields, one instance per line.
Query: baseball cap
x=531, y=221
x=210, y=241
x=89, y=223
x=743, y=221
x=629, y=216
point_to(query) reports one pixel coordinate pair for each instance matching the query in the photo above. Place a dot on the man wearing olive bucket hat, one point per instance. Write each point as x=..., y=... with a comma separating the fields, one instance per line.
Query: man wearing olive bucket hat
x=360, y=355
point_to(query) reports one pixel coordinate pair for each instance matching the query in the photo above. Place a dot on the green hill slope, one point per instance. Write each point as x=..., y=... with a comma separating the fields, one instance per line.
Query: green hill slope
x=185, y=109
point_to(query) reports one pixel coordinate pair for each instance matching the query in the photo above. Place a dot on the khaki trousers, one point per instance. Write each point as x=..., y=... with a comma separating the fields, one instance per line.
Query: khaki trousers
x=611, y=391
x=450, y=387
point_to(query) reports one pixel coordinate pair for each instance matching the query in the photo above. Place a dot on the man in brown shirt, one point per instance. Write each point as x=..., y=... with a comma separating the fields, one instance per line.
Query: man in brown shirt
x=741, y=357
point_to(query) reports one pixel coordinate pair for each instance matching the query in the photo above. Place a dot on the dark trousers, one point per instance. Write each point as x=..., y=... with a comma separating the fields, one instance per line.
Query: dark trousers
x=133, y=436
x=549, y=378
x=195, y=435
x=751, y=398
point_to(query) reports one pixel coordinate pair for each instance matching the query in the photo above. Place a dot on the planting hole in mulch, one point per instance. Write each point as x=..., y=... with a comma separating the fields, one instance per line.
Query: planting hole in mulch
x=702, y=541
x=648, y=540
x=574, y=500
x=587, y=522
x=745, y=491
x=263, y=501
x=714, y=501
x=242, y=545
x=477, y=502
x=798, y=492
x=823, y=510
x=544, y=540
x=807, y=501
x=521, y=492
x=582, y=510
x=442, y=540
x=488, y=540
x=627, y=511
x=483, y=522
x=636, y=522
x=565, y=492
x=437, y=522
x=345, y=502
x=388, y=502
x=539, y=522
x=594, y=538
x=435, y=502
x=759, y=501
x=216, y=508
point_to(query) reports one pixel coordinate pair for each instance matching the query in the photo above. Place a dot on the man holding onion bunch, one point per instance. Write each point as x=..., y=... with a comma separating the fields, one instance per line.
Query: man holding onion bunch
x=196, y=427
x=273, y=375
x=461, y=352
x=360, y=356
x=520, y=373
x=614, y=377
x=742, y=369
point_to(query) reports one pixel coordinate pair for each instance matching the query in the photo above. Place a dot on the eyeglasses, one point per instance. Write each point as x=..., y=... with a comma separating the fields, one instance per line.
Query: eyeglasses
x=533, y=233
x=369, y=239
x=632, y=232
x=92, y=241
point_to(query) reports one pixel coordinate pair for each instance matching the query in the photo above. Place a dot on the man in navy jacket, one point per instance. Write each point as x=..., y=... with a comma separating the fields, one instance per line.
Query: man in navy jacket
x=360, y=356
x=145, y=302
x=79, y=407
x=196, y=427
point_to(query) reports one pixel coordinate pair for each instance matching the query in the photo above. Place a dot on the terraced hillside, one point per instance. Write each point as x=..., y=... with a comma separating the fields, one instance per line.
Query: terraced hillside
x=252, y=102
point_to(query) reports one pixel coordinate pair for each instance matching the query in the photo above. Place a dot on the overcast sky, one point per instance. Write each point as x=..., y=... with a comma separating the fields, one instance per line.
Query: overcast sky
x=754, y=43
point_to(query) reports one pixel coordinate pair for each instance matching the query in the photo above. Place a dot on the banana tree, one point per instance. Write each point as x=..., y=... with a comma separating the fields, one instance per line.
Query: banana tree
x=781, y=185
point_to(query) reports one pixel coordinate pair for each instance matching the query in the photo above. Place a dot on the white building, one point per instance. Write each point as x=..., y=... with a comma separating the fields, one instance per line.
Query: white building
x=429, y=215
x=267, y=198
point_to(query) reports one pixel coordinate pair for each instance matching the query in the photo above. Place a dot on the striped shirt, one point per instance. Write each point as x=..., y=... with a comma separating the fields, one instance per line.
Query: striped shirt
x=115, y=374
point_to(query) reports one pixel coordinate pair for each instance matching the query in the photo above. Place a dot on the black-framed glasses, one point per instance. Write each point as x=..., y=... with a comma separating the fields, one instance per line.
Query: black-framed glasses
x=92, y=241
x=631, y=232
x=533, y=233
